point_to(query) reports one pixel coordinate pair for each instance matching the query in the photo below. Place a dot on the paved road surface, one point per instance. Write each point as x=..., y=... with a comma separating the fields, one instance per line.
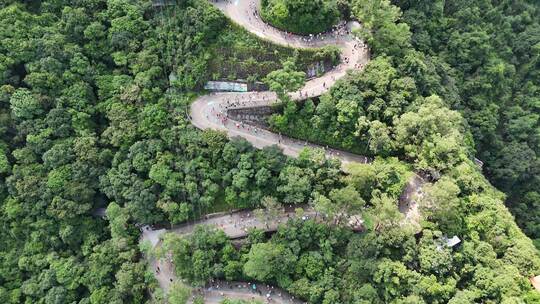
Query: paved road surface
x=235, y=225
x=217, y=291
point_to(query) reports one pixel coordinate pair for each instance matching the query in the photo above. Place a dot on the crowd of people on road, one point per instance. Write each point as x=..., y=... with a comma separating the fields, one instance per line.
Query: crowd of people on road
x=219, y=112
x=239, y=224
x=242, y=224
x=256, y=292
x=339, y=30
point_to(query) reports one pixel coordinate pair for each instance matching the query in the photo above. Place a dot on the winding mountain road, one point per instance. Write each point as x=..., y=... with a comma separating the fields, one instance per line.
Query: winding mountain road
x=210, y=112
x=234, y=225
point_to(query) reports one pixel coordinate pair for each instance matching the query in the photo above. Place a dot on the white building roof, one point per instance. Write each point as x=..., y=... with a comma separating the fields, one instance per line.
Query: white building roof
x=453, y=241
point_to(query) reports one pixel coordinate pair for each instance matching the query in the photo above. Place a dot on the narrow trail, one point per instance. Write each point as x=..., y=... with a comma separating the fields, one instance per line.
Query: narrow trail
x=210, y=112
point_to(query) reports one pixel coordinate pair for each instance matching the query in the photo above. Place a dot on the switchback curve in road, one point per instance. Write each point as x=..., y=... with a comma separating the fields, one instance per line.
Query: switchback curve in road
x=234, y=225
x=210, y=111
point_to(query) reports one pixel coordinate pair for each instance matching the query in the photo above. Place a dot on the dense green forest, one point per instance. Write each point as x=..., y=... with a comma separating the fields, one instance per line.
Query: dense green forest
x=87, y=121
x=301, y=16
x=481, y=58
x=399, y=106
x=93, y=113
x=491, y=49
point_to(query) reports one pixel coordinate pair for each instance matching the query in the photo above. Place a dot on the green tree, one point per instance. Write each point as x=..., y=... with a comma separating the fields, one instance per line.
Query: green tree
x=271, y=211
x=301, y=16
x=201, y=255
x=25, y=105
x=285, y=80
x=340, y=205
x=178, y=293
x=295, y=184
x=269, y=262
x=442, y=204
x=434, y=136
x=381, y=28
x=385, y=213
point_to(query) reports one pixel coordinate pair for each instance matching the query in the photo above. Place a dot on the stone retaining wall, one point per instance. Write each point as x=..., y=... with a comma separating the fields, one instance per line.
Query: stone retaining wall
x=256, y=116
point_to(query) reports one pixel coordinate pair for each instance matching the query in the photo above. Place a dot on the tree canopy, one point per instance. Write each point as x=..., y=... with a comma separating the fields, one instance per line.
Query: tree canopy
x=93, y=115
x=301, y=16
